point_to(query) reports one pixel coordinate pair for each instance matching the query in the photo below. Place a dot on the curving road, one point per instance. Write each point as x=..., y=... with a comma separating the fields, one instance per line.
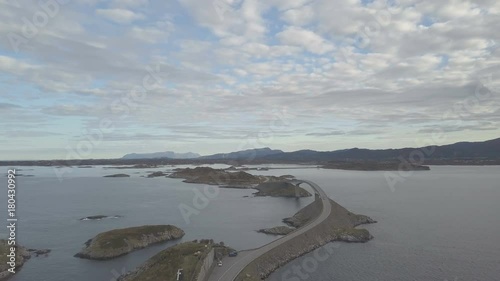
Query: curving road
x=232, y=266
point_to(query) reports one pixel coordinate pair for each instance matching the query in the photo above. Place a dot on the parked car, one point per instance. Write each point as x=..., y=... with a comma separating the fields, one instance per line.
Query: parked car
x=233, y=254
x=219, y=263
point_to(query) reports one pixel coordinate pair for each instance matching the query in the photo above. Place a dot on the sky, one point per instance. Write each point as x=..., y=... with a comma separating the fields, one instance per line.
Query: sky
x=99, y=79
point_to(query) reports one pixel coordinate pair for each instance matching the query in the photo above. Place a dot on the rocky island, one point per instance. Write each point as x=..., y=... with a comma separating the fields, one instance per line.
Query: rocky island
x=227, y=178
x=22, y=255
x=190, y=256
x=157, y=174
x=117, y=176
x=207, y=175
x=99, y=217
x=119, y=242
x=281, y=189
x=375, y=166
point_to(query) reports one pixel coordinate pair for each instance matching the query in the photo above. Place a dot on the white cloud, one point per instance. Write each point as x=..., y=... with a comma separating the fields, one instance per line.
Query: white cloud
x=307, y=39
x=119, y=15
x=152, y=34
x=300, y=16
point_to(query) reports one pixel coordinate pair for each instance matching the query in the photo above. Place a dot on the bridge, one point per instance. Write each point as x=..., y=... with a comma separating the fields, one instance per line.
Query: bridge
x=233, y=266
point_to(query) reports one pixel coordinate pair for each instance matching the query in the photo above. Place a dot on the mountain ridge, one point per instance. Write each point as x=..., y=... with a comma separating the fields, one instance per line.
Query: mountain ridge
x=166, y=154
x=489, y=149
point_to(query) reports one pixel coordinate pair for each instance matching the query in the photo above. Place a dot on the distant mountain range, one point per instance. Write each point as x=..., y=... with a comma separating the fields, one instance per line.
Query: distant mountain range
x=248, y=154
x=157, y=155
x=462, y=150
x=462, y=153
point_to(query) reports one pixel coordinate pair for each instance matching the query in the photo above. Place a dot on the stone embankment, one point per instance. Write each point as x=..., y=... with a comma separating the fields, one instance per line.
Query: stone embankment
x=339, y=226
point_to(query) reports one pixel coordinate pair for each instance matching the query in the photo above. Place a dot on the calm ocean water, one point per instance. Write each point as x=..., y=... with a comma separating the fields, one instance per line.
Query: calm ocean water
x=438, y=225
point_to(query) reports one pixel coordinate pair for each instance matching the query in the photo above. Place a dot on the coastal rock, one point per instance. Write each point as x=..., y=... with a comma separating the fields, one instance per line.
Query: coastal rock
x=118, y=242
x=303, y=216
x=278, y=230
x=117, y=176
x=212, y=176
x=37, y=253
x=355, y=236
x=223, y=177
x=99, y=217
x=22, y=255
x=281, y=189
x=361, y=219
x=157, y=174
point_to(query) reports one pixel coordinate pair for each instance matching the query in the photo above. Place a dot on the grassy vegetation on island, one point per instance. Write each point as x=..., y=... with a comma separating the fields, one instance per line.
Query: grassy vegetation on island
x=278, y=230
x=207, y=175
x=281, y=189
x=120, y=242
x=163, y=266
x=228, y=178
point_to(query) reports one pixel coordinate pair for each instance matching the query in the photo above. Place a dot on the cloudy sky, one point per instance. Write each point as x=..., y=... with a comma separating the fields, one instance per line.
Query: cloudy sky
x=92, y=78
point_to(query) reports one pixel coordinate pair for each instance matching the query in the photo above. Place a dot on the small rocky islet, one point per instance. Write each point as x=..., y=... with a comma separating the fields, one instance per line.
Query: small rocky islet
x=117, y=176
x=119, y=242
x=157, y=174
x=375, y=166
x=99, y=217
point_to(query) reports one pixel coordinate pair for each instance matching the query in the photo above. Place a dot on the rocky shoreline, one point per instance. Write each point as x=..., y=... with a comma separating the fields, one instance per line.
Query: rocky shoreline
x=339, y=226
x=119, y=242
x=22, y=255
x=278, y=230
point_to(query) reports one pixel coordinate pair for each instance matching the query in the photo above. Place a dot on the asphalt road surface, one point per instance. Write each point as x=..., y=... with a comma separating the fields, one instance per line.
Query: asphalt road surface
x=232, y=266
